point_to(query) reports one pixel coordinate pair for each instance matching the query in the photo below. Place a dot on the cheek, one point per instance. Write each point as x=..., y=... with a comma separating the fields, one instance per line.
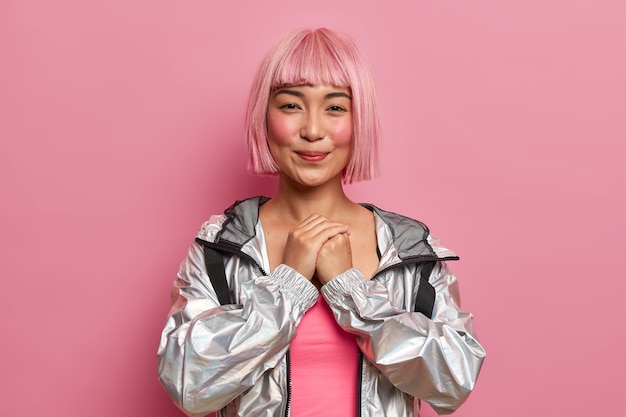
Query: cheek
x=278, y=130
x=342, y=132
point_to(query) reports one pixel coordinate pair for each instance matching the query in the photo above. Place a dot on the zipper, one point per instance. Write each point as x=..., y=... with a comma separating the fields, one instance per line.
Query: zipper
x=232, y=249
x=236, y=250
x=288, y=361
x=415, y=260
x=407, y=261
x=359, y=387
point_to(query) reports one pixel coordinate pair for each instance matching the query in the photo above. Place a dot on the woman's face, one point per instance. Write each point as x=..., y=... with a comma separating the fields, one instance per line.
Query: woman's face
x=309, y=130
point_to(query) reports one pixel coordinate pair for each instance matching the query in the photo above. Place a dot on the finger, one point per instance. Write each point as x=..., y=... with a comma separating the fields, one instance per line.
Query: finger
x=334, y=257
x=310, y=222
x=328, y=230
x=339, y=241
x=313, y=225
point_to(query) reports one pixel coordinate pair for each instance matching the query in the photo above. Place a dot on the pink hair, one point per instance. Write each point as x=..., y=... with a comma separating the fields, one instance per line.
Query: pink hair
x=312, y=57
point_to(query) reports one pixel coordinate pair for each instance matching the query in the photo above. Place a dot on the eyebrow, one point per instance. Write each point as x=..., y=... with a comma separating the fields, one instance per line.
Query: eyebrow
x=301, y=95
x=338, y=94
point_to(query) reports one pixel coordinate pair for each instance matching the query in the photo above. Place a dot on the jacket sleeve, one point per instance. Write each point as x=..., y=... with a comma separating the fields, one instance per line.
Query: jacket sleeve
x=436, y=360
x=210, y=354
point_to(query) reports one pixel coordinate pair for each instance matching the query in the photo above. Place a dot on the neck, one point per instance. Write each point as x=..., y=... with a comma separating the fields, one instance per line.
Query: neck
x=296, y=202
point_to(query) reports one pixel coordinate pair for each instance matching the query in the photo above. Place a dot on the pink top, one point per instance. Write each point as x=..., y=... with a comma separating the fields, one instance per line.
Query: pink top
x=324, y=366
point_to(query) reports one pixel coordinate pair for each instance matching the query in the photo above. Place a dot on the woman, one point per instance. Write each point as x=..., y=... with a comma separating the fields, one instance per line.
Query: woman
x=331, y=306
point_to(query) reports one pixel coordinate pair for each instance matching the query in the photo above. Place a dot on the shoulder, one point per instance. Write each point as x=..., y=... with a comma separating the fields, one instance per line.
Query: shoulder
x=400, y=223
x=210, y=228
x=411, y=237
x=237, y=223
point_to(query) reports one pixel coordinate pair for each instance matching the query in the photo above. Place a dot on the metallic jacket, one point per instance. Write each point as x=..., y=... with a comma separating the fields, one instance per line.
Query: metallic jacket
x=235, y=357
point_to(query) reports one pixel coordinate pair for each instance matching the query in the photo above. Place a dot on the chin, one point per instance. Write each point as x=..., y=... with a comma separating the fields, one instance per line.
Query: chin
x=317, y=181
x=311, y=183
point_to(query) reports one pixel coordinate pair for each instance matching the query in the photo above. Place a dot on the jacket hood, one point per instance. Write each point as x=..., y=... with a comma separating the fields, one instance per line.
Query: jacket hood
x=410, y=237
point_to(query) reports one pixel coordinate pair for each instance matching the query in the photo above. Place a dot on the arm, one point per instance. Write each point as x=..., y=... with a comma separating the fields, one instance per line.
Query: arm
x=210, y=354
x=437, y=360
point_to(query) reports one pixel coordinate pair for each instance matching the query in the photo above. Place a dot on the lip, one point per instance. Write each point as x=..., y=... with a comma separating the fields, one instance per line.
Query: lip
x=312, y=156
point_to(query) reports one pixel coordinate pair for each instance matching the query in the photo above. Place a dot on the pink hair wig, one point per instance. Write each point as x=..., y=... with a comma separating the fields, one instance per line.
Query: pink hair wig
x=317, y=57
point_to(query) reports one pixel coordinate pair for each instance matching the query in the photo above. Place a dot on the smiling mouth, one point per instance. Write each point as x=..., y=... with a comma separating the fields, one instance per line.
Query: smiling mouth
x=312, y=156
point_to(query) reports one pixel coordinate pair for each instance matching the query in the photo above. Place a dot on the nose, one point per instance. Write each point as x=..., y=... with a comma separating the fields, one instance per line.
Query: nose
x=313, y=127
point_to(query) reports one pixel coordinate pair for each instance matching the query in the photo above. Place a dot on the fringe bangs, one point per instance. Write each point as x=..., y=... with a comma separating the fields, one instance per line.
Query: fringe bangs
x=310, y=61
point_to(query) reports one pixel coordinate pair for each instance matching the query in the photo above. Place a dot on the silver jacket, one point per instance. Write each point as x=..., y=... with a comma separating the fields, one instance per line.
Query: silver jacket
x=235, y=357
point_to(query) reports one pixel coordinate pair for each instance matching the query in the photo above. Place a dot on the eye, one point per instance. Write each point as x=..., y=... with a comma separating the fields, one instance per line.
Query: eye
x=337, y=109
x=289, y=106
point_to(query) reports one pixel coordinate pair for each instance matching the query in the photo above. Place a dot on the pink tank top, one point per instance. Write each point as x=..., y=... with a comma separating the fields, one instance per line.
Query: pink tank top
x=324, y=366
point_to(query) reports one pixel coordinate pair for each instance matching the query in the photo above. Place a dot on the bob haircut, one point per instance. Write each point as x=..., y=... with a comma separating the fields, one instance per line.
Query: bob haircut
x=312, y=57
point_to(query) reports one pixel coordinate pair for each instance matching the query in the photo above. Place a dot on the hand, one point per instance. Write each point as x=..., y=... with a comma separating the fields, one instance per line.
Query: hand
x=305, y=241
x=334, y=258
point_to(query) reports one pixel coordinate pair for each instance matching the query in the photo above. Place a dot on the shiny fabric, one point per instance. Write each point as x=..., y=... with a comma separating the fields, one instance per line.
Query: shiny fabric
x=234, y=358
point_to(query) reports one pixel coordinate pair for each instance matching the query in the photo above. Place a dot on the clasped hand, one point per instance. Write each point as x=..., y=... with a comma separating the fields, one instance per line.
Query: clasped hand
x=319, y=247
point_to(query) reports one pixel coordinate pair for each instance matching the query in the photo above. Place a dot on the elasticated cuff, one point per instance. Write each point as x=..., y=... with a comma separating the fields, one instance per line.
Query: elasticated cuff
x=296, y=285
x=335, y=290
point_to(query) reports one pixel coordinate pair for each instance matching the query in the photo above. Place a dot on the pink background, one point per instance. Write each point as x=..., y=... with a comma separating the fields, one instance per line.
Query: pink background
x=121, y=129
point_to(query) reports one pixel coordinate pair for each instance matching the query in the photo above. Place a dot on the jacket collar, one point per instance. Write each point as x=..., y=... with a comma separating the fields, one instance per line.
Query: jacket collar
x=409, y=236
